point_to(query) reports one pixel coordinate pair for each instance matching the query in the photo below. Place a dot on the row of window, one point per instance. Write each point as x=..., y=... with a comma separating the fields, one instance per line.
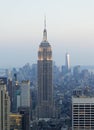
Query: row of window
x=89, y=105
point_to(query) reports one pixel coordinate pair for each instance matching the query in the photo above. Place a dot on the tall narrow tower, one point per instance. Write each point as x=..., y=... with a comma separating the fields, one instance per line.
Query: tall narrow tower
x=67, y=62
x=4, y=106
x=45, y=86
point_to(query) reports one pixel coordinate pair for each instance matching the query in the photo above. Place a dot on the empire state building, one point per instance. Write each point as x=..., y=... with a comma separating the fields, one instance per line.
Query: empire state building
x=45, y=85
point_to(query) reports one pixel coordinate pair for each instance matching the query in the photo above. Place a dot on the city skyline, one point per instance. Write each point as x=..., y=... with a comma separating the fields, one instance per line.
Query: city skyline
x=70, y=26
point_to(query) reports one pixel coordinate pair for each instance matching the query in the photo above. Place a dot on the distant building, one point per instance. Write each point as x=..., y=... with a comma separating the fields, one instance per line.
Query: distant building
x=15, y=92
x=15, y=121
x=77, y=92
x=85, y=74
x=23, y=101
x=45, y=85
x=4, y=106
x=67, y=62
x=82, y=113
x=25, y=112
x=10, y=91
x=25, y=93
x=76, y=71
x=64, y=71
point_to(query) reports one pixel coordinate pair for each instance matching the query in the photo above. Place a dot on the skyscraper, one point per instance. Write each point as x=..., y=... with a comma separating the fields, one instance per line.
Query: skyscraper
x=24, y=104
x=82, y=113
x=45, y=86
x=25, y=112
x=4, y=106
x=25, y=93
x=67, y=62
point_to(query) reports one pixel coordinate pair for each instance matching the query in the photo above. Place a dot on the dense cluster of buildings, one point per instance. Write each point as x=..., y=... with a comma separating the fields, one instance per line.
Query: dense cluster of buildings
x=46, y=98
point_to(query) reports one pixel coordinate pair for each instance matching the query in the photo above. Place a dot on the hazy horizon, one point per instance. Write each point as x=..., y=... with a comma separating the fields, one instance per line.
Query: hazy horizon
x=70, y=28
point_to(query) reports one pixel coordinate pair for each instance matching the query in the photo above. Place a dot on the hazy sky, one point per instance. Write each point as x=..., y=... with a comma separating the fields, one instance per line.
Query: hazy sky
x=70, y=27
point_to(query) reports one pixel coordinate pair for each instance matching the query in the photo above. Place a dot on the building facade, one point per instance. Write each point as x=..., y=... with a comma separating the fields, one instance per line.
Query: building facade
x=25, y=93
x=82, y=113
x=4, y=106
x=25, y=113
x=45, y=85
x=15, y=121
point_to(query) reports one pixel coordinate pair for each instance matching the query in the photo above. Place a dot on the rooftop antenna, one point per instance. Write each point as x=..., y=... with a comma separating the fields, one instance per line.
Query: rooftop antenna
x=45, y=31
x=44, y=21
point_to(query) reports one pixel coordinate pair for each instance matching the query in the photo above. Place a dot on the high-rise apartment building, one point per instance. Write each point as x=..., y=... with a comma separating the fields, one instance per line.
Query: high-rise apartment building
x=45, y=85
x=4, y=106
x=82, y=113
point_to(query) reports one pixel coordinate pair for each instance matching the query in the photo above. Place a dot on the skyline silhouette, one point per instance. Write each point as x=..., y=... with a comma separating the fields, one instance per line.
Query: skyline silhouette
x=70, y=26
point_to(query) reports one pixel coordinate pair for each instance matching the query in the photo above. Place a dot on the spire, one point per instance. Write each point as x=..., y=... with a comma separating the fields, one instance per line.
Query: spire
x=45, y=31
x=45, y=22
